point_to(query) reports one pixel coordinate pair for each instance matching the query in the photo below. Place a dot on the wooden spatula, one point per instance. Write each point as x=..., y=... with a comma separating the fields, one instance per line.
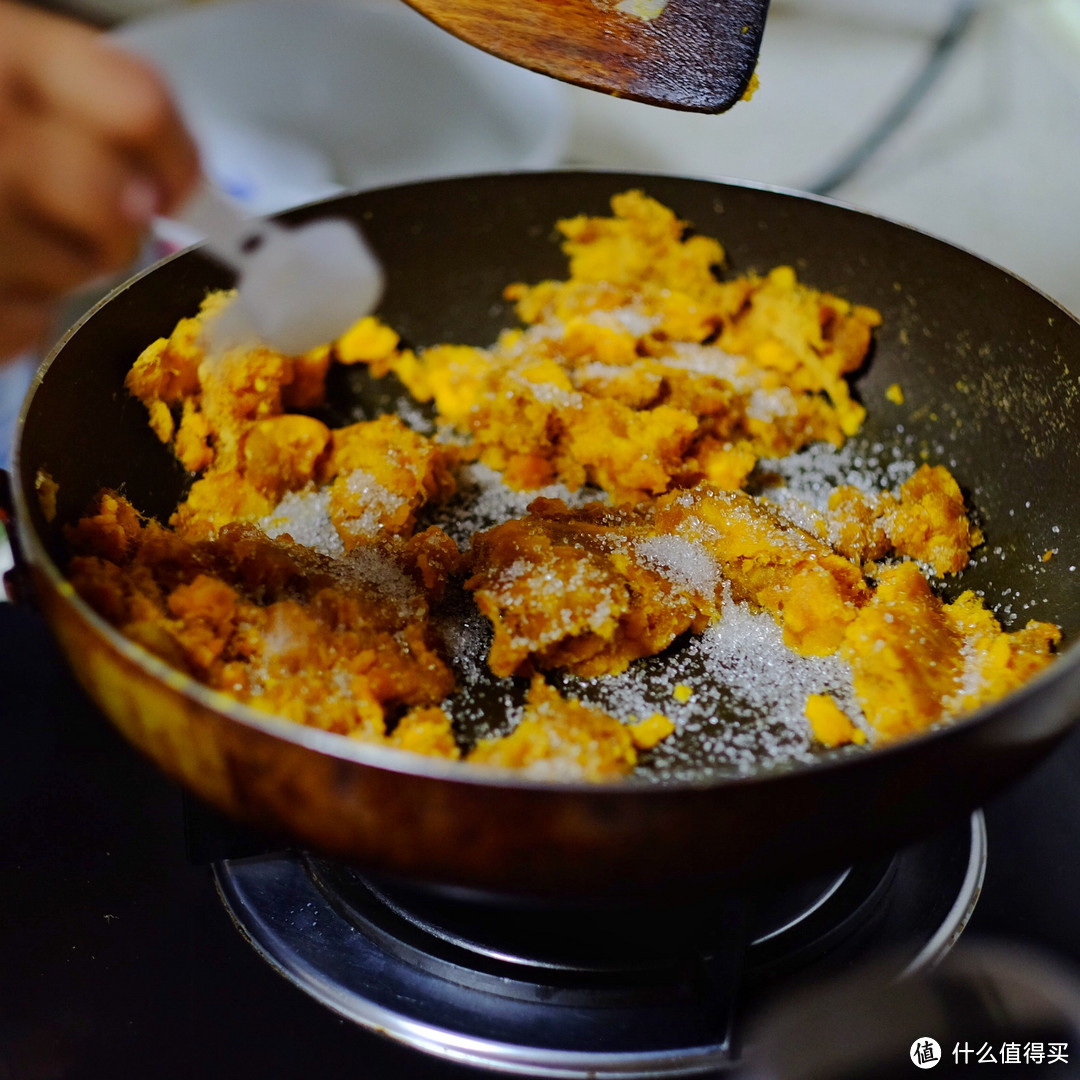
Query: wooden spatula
x=697, y=55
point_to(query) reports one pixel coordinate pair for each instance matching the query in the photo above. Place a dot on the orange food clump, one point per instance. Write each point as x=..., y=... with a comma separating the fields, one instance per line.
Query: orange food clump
x=651, y=731
x=995, y=662
x=380, y=473
x=367, y=341
x=225, y=417
x=559, y=738
x=574, y=589
x=916, y=660
x=905, y=658
x=203, y=404
x=280, y=453
x=275, y=625
x=927, y=521
x=426, y=731
x=813, y=592
x=830, y=725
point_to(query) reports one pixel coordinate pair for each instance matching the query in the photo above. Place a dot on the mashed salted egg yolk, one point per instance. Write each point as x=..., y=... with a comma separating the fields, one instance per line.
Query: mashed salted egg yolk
x=353, y=577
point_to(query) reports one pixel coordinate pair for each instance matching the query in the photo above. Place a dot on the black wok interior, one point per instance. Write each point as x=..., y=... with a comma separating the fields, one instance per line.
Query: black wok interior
x=989, y=368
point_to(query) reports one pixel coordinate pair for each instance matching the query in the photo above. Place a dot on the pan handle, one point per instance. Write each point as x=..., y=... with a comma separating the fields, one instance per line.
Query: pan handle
x=17, y=585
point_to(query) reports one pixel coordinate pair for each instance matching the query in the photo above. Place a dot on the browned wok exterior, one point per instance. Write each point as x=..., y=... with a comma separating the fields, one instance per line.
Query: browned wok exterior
x=449, y=248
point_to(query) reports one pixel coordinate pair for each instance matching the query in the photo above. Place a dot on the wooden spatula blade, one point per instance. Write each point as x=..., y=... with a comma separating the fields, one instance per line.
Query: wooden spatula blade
x=697, y=55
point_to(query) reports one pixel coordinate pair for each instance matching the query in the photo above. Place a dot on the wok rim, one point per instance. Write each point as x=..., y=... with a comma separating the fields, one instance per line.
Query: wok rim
x=393, y=759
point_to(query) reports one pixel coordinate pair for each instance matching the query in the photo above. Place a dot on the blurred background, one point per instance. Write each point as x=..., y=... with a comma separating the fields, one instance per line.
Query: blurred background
x=961, y=117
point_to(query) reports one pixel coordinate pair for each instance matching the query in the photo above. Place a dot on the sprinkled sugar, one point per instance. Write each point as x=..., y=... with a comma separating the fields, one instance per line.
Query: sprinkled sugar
x=769, y=405
x=714, y=361
x=377, y=502
x=370, y=566
x=547, y=393
x=809, y=477
x=305, y=516
x=679, y=560
x=746, y=710
x=412, y=416
x=588, y=583
x=749, y=690
x=972, y=677
x=484, y=501
x=633, y=319
x=748, y=694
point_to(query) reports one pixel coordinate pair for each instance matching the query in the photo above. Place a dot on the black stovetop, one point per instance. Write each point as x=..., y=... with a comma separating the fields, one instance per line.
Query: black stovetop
x=117, y=958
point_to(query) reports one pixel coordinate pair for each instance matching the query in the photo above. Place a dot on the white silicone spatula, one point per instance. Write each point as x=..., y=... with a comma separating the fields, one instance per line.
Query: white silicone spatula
x=298, y=287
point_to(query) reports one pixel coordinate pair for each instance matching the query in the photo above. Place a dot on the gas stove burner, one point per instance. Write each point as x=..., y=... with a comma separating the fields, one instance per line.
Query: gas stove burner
x=579, y=992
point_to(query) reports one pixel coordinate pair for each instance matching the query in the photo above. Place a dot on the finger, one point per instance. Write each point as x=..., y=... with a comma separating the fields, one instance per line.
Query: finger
x=37, y=257
x=153, y=131
x=76, y=75
x=24, y=324
x=77, y=193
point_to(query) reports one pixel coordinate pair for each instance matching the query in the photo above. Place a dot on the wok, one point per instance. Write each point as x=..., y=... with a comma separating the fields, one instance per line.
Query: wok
x=989, y=369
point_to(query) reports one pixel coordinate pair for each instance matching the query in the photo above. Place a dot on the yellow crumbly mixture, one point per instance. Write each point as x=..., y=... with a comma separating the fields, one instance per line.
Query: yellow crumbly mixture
x=276, y=625
x=644, y=371
x=297, y=577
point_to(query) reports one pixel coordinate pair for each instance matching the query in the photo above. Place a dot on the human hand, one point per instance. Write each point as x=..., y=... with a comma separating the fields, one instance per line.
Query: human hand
x=91, y=148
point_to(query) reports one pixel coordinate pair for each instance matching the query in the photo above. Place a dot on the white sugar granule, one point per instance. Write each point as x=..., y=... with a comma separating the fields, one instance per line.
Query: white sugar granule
x=278, y=638
x=484, y=501
x=971, y=680
x=413, y=416
x=598, y=371
x=371, y=566
x=682, y=562
x=548, y=393
x=769, y=405
x=305, y=516
x=798, y=511
x=376, y=502
x=632, y=319
x=714, y=361
x=810, y=476
x=747, y=709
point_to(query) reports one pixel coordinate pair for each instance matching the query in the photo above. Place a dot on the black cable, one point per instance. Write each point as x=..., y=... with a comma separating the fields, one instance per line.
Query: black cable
x=943, y=48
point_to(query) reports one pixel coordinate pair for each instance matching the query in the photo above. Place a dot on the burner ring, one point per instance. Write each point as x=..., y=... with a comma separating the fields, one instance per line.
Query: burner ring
x=506, y=1016
x=955, y=922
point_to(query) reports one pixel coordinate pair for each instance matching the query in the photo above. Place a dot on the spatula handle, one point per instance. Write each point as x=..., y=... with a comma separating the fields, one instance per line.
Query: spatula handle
x=232, y=235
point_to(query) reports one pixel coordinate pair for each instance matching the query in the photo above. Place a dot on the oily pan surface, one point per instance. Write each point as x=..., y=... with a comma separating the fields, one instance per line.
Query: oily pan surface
x=982, y=359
